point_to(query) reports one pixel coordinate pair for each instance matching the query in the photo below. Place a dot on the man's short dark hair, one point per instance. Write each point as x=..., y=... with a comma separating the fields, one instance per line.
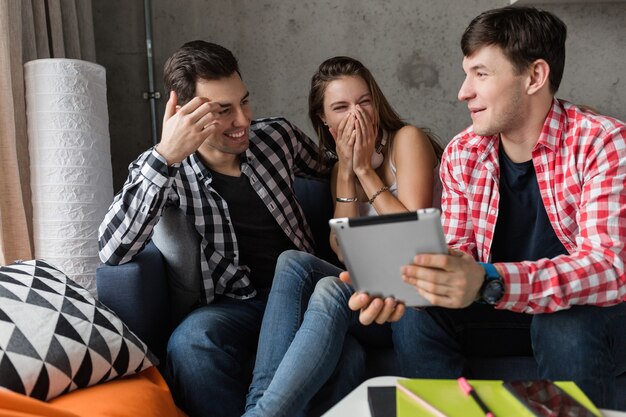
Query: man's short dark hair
x=524, y=34
x=197, y=60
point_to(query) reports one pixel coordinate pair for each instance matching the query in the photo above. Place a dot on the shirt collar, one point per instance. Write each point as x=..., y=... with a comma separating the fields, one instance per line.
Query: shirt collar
x=203, y=172
x=484, y=145
x=199, y=168
x=553, y=127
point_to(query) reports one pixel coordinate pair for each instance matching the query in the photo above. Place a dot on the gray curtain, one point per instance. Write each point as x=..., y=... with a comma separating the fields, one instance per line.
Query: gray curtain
x=30, y=29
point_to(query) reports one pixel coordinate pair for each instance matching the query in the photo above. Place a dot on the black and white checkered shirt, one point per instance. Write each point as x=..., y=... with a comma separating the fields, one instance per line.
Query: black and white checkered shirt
x=278, y=151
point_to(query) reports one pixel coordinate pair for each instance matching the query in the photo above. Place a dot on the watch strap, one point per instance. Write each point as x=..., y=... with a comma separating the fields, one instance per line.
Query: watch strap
x=490, y=270
x=492, y=290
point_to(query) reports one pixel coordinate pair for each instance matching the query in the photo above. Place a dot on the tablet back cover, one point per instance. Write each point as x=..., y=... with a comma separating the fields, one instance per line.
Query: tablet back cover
x=375, y=248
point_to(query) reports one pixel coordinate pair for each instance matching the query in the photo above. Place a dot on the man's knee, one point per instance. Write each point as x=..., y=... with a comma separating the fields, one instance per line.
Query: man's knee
x=564, y=326
x=409, y=327
x=575, y=334
x=197, y=335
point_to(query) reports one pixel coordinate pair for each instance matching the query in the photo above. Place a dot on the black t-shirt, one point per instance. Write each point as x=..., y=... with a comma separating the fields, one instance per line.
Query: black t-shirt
x=259, y=237
x=523, y=231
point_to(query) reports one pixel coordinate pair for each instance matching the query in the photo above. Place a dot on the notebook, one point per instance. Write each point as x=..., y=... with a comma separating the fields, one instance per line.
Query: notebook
x=382, y=401
x=446, y=396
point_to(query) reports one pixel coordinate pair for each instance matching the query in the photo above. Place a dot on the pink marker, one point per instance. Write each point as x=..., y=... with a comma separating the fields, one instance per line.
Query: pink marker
x=468, y=390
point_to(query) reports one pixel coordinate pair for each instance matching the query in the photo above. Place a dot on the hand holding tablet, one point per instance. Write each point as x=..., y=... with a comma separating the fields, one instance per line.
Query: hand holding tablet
x=375, y=248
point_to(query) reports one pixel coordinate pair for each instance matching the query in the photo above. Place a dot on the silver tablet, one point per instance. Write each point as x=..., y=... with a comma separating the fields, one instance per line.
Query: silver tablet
x=374, y=249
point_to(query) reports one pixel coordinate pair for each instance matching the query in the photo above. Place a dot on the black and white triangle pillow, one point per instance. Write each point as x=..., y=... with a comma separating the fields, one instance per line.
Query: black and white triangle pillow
x=56, y=337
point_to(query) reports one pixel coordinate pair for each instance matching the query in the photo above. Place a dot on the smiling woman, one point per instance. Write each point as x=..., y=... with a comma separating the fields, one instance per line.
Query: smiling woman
x=384, y=166
x=382, y=159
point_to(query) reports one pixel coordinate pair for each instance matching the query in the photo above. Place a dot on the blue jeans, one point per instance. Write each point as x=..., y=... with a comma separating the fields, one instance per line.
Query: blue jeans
x=304, y=341
x=210, y=356
x=585, y=344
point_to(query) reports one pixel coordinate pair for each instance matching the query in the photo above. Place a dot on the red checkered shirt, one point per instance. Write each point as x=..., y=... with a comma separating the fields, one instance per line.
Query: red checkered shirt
x=580, y=161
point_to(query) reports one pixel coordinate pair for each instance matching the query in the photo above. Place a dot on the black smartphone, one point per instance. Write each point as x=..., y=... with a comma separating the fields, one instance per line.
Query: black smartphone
x=545, y=399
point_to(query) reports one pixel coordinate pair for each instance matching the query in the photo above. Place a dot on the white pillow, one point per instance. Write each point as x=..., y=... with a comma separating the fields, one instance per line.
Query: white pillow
x=55, y=337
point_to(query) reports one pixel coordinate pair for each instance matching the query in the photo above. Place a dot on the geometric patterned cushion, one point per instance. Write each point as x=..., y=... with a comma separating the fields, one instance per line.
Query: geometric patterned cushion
x=56, y=337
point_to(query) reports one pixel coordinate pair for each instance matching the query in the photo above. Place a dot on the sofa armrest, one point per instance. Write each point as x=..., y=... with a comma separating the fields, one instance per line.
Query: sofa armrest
x=137, y=292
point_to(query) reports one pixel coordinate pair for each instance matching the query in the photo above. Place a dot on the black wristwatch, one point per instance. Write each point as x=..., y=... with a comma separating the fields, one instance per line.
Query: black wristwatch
x=492, y=289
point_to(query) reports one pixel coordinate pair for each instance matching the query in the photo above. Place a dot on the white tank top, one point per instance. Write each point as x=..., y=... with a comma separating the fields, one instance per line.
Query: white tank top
x=367, y=209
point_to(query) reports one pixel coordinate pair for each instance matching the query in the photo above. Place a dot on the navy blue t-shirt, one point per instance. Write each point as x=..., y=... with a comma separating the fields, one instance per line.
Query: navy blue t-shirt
x=523, y=231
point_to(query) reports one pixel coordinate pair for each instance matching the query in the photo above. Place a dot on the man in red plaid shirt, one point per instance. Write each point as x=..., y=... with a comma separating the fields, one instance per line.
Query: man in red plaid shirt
x=534, y=210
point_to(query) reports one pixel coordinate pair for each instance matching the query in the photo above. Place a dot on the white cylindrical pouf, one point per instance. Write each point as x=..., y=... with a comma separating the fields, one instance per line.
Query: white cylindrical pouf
x=70, y=162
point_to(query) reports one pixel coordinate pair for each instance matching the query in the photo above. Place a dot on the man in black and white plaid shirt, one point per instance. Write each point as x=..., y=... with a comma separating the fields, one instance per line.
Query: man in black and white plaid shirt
x=232, y=177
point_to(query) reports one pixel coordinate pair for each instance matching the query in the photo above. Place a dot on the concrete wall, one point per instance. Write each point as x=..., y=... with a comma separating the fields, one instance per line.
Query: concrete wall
x=412, y=47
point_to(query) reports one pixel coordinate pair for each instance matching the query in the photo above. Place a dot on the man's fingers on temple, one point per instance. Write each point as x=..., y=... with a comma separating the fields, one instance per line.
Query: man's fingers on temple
x=207, y=120
x=170, y=106
x=205, y=112
x=192, y=105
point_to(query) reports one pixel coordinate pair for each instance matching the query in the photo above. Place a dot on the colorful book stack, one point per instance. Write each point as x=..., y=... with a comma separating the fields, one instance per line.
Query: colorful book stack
x=444, y=397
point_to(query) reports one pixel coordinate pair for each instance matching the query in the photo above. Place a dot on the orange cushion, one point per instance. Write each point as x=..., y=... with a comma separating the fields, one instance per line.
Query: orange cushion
x=142, y=394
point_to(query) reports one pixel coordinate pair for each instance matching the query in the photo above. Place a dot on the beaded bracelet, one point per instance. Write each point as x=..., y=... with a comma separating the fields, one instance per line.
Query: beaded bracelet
x=382, y=190
x=346, y=199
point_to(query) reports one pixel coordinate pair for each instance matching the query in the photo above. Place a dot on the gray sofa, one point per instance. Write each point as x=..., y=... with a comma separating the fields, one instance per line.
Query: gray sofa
x=139, y=293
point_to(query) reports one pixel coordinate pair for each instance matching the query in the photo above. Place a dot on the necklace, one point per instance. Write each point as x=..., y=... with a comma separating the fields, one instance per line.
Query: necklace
x=377, y=155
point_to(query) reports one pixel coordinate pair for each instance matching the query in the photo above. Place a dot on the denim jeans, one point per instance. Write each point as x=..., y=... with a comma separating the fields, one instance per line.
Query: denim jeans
x=304, y=341
x=585, y=344
x=210, y=356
